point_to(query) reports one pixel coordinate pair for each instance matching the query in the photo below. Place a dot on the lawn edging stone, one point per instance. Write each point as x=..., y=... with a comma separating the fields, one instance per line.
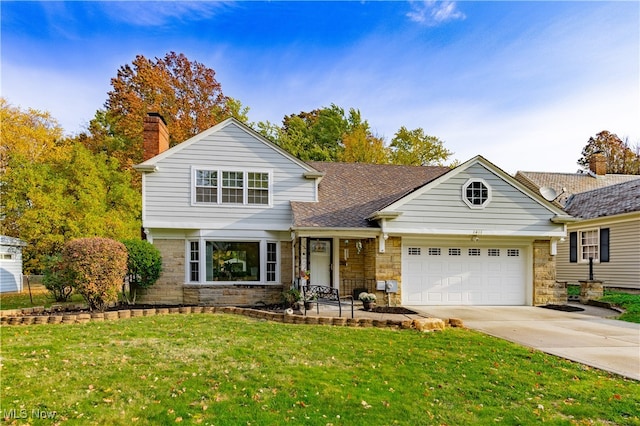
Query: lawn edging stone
x=56, y=315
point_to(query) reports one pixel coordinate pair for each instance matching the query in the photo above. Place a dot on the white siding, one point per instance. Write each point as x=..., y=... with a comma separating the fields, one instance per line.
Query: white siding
x=623, y=268
x=441, y=210
x=168, y=190
x=10, y=270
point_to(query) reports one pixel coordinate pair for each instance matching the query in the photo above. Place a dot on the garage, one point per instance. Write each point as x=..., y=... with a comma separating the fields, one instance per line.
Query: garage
x=463, y=275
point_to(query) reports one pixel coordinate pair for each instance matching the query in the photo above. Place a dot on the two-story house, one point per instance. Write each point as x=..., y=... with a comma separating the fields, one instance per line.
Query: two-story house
x=238, y=220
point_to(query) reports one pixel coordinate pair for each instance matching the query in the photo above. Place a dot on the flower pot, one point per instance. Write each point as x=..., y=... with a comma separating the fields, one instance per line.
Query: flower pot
x=368, y=305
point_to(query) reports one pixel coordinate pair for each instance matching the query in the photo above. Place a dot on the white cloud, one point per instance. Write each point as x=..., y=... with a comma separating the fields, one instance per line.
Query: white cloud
x=153, y=14
x=432, y=12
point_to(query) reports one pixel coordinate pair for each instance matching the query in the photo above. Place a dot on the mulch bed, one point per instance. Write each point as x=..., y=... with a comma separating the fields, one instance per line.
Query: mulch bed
x=564, y=308
x=393, y=310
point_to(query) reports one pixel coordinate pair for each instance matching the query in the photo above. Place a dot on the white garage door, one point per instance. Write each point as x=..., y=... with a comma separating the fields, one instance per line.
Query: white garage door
x=440, y=275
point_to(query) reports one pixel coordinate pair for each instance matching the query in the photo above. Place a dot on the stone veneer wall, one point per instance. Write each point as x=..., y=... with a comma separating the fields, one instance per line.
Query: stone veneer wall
x=232, y=295
x=388, y=266
x=168, y=289
x=546, y=289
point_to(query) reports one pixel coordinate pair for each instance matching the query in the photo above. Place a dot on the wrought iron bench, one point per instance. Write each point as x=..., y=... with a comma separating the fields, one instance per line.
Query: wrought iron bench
x=321, y=294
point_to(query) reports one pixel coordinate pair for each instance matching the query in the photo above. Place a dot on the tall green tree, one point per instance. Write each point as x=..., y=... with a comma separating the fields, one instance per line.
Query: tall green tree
x=416, y=148
x=621, y=158
x=74, y=194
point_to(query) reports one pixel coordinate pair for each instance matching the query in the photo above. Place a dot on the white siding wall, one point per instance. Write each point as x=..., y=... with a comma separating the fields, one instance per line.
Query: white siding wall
x=168, y=191
x=441, y=210
x=623, y=269
x=11, y=270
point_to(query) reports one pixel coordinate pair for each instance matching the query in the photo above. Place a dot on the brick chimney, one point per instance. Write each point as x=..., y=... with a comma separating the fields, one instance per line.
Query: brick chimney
x=156, y=136
x=598, y=163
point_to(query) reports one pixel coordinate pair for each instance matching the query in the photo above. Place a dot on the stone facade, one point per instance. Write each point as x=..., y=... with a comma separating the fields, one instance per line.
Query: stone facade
x=591, y=290
x=546, y=289
x=171, y=289
x=168, y=289
x=387, y=266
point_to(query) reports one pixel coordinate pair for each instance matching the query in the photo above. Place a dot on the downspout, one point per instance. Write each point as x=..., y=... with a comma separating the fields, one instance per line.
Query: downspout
x=382, y=238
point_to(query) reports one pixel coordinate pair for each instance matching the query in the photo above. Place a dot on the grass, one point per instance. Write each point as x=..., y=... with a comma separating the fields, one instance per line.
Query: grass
x=40, y=296
x=227, y=370
x=629, y=302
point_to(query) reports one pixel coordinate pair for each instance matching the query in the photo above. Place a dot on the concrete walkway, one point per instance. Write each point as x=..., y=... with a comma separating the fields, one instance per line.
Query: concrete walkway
x=587, y=337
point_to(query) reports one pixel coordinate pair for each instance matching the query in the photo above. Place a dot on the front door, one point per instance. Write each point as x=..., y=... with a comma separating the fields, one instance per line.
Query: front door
x=320, y=262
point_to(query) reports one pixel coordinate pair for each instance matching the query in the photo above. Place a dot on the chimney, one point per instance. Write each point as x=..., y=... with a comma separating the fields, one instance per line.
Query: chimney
x=598, y=163
x=156, y=136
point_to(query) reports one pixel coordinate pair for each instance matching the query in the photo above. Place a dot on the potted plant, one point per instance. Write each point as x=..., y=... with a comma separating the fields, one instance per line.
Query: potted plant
x=308, y=302
x=291, y=297
x=368, y=300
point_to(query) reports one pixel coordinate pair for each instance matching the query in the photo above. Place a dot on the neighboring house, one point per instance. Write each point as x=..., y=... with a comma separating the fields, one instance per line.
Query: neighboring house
x=10, y=264
x=237, y=220
x=607, y=209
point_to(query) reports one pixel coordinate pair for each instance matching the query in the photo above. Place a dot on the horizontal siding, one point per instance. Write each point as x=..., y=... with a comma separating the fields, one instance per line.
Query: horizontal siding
x=442, y=207
x=168, y=190
x=623, y=269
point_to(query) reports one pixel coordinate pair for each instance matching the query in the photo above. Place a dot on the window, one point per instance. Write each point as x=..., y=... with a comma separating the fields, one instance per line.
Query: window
x=513, y=252
x=476, y=193
x=194, y=261
x=206, y=186
x=258, y=188
x=474, y=252
x=272, y=261
x=231, y=187
x=434, y=251
x=455, y=252
x=251, y=262
x=589, y=243
x=494, y=252
x=414, y=251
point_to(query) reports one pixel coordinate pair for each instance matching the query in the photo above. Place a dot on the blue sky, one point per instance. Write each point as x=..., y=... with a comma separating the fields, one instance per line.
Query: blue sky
x=524, y=84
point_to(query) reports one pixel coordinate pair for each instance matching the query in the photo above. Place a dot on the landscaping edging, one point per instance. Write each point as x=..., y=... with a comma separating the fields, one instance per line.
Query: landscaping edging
x=43, y=316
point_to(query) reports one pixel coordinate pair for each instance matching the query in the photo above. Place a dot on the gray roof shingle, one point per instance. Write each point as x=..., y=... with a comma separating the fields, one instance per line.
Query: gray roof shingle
x=350, y=192
x=607, y=201
x=567, y=184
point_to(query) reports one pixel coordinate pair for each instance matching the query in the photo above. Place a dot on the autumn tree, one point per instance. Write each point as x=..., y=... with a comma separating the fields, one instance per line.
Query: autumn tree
x=621, y=158
x=72, y=194
x=30, y=133
x=186, y=93
x=360, y=146
x=416, y=148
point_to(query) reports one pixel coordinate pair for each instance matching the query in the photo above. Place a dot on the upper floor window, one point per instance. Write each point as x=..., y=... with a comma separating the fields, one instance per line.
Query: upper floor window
x=231, y=187
x=476, y=193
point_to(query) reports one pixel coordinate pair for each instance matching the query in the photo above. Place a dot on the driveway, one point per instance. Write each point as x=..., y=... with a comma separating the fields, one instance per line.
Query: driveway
x=585, y=337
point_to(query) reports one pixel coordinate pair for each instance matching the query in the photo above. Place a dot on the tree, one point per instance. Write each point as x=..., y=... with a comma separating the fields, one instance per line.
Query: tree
x=185, y=93
x=55, y=279
x=96, y=268
x=74, y=194
x=360, y=146
x=621, y=159
x=144, y=265
x=414, y=147
x=33, y=134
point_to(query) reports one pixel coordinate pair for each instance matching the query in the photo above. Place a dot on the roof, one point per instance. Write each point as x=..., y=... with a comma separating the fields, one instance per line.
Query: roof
x=351, y=192
x=567, y=184
x=11, y=241
x=608, y=201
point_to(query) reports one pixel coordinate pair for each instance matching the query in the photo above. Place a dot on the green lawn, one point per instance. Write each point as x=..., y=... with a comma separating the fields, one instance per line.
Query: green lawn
x=39, y=297
x=629, y=302
x=231, y=370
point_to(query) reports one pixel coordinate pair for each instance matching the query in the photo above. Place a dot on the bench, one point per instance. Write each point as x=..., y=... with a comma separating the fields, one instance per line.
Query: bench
x=321, y=294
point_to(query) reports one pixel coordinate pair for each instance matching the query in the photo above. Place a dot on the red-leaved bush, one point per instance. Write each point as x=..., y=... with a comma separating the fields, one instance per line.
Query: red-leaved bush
x=96, y=268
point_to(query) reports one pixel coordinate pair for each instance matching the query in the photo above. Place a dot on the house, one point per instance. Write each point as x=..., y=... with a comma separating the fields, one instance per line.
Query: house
x=237, y=220
x=10, y=264
x=607, y=207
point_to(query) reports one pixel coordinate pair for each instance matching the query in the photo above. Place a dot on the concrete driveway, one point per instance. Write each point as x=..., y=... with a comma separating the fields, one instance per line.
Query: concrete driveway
x=584, y=337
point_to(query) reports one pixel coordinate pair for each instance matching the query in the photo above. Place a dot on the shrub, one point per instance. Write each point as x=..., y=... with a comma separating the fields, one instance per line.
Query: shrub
x=96, y=268
x=144, y=266
x=55, y=278
x=291, y=297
